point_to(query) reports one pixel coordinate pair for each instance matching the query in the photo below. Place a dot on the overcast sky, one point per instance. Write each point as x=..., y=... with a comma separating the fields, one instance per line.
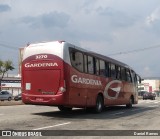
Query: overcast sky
x=113, y=28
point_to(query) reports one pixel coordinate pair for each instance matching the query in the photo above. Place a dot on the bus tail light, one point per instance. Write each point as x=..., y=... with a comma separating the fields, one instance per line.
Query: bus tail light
x=62, y=88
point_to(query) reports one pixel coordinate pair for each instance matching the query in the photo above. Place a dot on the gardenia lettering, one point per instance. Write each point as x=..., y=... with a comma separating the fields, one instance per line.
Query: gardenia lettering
x=28, y=65
x=77, y=79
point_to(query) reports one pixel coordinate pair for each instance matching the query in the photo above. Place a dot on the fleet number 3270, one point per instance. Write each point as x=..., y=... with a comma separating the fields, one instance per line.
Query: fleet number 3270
x=41, y=56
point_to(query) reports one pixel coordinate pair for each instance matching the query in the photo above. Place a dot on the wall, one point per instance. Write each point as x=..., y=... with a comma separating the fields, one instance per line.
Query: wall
x=12, y=85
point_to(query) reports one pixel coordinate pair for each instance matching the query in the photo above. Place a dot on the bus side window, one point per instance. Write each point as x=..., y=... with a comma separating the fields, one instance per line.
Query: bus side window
x=118, y=71
x=129, y=79
x=102, y=68
x=113, y=71
x=123, y=73
x=77, y=60
x=73, y=58
x=97, y=66
x=107, y=69
x=90, y=64
x=85, y=64
x=134, y=76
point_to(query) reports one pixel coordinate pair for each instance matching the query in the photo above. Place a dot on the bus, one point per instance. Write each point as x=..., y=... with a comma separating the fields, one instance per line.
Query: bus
x=61, y=74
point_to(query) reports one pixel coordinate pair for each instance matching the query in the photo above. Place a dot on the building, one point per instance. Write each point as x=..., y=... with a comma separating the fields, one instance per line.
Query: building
x=151, y=85
x=11, y=84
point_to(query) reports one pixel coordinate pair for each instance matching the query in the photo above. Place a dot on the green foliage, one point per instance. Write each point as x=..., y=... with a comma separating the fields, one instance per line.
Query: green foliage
x=5, y=66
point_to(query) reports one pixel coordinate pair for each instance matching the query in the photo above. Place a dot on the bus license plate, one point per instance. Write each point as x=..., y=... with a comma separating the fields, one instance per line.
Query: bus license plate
x=39, y=99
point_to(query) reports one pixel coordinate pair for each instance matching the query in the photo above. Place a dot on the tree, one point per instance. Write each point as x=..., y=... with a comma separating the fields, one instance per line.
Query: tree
x=5, y=66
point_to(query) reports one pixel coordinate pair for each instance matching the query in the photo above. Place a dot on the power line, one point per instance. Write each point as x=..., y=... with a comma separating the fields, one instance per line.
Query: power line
x=11, y=43
x=8, y=46
x=135, y=51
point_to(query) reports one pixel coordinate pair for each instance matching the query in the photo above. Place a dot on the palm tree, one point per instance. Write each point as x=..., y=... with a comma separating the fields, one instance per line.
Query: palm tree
x=5, y=66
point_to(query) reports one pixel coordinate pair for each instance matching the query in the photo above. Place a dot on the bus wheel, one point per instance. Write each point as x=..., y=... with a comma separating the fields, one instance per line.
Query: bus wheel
x=63, y=108
x=130, y=103
x=99, y=104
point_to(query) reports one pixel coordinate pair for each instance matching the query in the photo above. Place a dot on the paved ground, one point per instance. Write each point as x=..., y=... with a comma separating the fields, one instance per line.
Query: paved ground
x=144, y=116
x=13, y=102
x=10, y=103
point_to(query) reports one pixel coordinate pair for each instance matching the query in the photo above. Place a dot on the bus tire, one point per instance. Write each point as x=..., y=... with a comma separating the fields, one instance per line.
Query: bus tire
x=64, y=109
x=130, y=104
x=99, y=104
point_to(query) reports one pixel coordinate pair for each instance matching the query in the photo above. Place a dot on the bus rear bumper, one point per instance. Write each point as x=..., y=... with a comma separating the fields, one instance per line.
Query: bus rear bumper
x=43, y=100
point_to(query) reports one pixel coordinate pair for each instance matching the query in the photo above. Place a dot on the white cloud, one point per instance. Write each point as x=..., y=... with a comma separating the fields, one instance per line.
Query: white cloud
x=153, y=21
x=47, y=20
x=103, y=26
x=153, y=17
x=117, y=18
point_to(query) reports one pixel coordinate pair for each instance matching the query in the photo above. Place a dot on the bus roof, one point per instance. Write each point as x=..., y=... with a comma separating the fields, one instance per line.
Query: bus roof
x=66, y=44
x=106, y=58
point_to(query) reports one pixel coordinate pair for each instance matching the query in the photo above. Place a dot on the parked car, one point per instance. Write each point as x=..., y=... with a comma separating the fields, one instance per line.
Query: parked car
x=5, y=95
x=149, y=95
x=141, y=93
x=18, y=97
